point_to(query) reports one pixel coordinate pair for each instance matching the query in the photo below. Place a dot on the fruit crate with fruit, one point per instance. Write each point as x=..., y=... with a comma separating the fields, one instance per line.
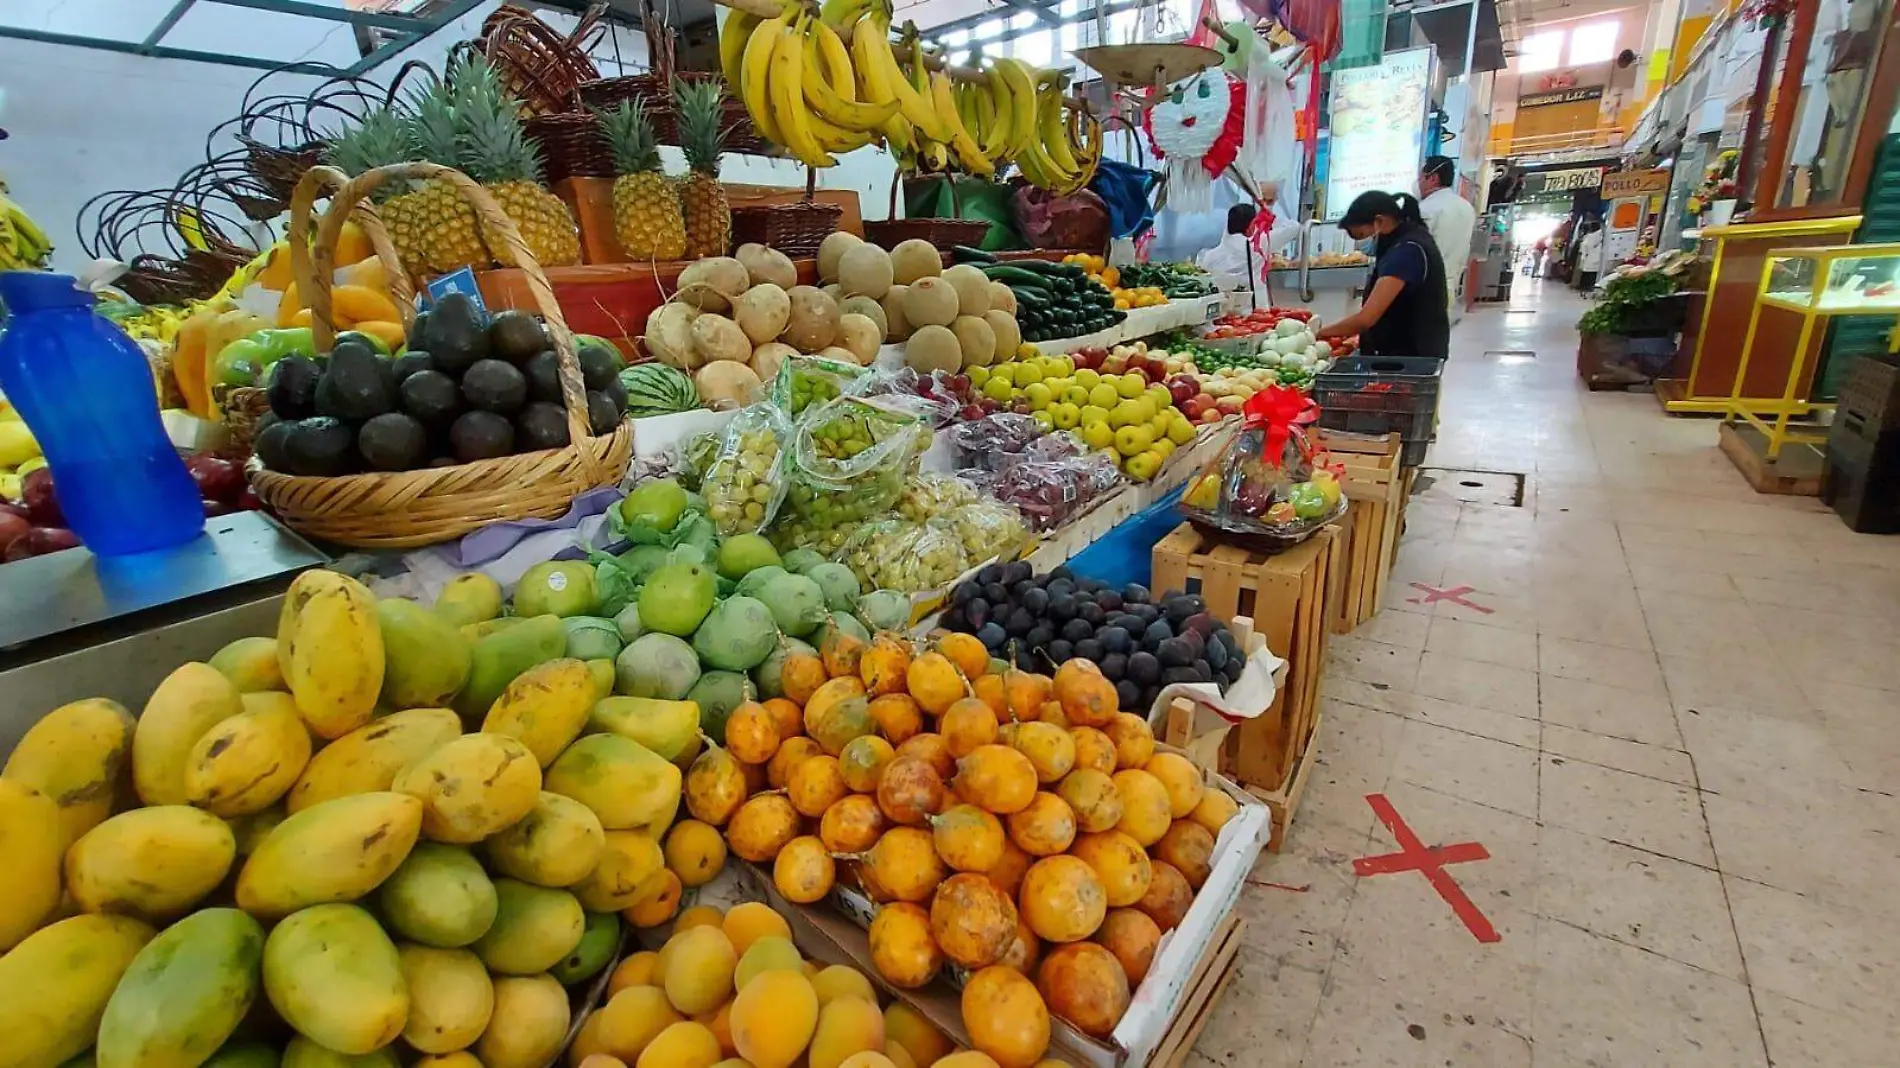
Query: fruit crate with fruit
x=1291, y=598
x=1375, y=484
x=1380, y=394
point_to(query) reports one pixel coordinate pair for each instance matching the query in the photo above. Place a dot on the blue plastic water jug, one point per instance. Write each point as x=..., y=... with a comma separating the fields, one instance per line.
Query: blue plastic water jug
x=86, y=392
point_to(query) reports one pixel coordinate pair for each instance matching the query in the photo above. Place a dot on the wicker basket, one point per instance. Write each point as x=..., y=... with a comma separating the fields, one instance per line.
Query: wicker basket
x=571, y=145
x=794, y=229
x=735, y=122
x=943, y=233
x=537, y=65
x=405, y=509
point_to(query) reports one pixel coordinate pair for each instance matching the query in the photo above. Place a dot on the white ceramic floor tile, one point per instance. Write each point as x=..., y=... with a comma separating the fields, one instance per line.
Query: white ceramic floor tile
x=1802, y=1036
x=1478, y=641
x=1472, y=682
x=1647, y=813
x=1607, y=665
x=1643, y=899
x=1654, y=761
x=1821, y=954
x=1499, y=726
x=1464, y=765
x=1610, y=710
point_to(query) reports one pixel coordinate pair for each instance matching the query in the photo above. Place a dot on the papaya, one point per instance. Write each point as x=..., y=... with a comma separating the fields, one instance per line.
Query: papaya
x=472, y=787
x=544, y=707
x=30, y=840
x=75, y=755
x=470, y=598
x=54, y=986
x=450, y=998
x=666, y=727
x=475, y=632
x=426, y=660
x=630, y=868
x=367, y=759
x=556, y=844
x=250, y=664
x=439, y=896
x=330, y=650
x=153, y=863
x=496, y=660
x=184, y=994
x=191, y=700
x=337, y=851
x=535, y=926
x=528, y=1025
x=303, y=1053
x=599, y=939
x=245, y=763
x=625, y=784
x=332, y=974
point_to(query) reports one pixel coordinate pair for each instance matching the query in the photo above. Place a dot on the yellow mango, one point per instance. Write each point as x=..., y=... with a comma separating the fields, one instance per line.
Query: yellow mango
x=472, y=787
x=250, y=664
x=290, y=305
x=557, y=843
x=389, y=333
x=275, y=274
x=535, y=926
x=339, y=850
x=244, y=764
x=303, y=1053
x=450, y=998
x=367, y=759
x=251, y=830
x=545, y=707
x=330, y=650
x=353, y=247
x=54, y=987
x=666, y=727
x=357, y=304
x=191, y=701
x=154, y=863
x=367, y=271
x=625, y=783
x=332, y=974
x=528, y=1025
x=31, y=842
x=75, y=755
x=631, y=865
x=846, y=1026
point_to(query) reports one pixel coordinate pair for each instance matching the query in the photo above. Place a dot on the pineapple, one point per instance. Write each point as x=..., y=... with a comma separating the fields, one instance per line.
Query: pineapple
x=448, y=235
x=703, y=199
x=495, y=152
x=647, y=217
x=380, y=140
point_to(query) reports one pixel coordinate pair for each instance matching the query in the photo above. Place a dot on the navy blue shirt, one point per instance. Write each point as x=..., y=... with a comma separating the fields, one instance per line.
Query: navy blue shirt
x=1404, y=261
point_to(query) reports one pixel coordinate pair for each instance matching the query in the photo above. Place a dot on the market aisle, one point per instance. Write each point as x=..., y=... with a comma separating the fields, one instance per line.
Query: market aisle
x=1668, y=720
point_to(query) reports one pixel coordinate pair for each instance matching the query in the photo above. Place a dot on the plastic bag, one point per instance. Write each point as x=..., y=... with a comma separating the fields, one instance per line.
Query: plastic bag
x=981, y=442
x=697, y=454
x=803, y=381
x=744, y=484
x=928, y=495
x=1049, y=494
x=850, y=457
x=896, y=554
x=988, y=530
x=1265, y=482
x=935, y=396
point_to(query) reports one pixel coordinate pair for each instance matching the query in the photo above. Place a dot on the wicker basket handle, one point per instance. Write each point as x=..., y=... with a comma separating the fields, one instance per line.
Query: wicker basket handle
x=496, y=225
x=304, y=271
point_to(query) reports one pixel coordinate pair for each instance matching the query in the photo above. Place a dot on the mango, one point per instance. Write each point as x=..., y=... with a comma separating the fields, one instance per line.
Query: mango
x=439, y=896
x=666, y=727
x=846, y=1026
x=529, y=1023
x=699, y=970
x=599, y=939
x=251, y=830
x=330, y=650
x=773, y=1019
x=458, y=1059
x=495, y=661
x=450, y=998
x=153, y=863
x=425, y=659
x=367, y=759
x=184, y=994
x=75, y=755
x=191, y=700
x=30, y=840
x=470, y=598
x=336, y=851
x=603, y=673
x=244, y=764
x=303, y=1053
x=42, y=1022
x=535, y=926
x=544, y=707
x=632, y=1019
x=687, y=1044
x=332, y=974
x=557, y=843
x=625, y=784
x=630, y=867
x=250, y=664
x=472, y=787
x=475, y=632
x=244, y=1055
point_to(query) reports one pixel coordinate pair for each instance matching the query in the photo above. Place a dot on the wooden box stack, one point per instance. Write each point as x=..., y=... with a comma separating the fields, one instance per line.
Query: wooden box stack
x=1375, y=484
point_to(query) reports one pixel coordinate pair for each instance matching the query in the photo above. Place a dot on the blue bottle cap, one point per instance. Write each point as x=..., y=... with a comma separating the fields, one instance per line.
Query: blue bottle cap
x=27, y=291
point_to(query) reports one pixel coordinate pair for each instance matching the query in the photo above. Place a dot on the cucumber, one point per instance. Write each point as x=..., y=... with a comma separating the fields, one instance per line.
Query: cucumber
x=1015, y=277
x=966, y=254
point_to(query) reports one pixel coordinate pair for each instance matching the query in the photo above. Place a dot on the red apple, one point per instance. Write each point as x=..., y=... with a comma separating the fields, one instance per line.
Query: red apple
x=38, y=541
x=13, y=508
x=1112, y=364
x=1182, y=388
x=1228, y=405
x=11, y=527
x=218, y=478
x=42, y=504
x=1210, y=415
x=1192, y=408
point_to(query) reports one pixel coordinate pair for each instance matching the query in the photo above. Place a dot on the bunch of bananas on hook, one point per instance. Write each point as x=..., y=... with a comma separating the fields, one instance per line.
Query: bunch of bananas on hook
x=23, y=245
x=825, y=80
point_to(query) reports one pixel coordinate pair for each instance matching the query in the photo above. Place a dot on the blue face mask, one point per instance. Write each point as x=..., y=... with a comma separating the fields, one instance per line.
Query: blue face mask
x=1368, y=246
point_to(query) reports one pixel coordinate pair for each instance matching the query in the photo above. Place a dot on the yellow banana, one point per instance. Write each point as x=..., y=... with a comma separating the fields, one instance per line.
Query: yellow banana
x=1050, y=130
x=871, y=45
x=968, y=152
x=1020, y=101
x=787, y=103
x=733, y=36
x=755, y=79
x=828, y=80
x=842, y=14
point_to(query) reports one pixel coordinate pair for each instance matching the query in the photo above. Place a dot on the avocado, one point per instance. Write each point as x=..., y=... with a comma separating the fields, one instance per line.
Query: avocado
x=408, y=364
x=358, y=384
x=392, y=442
x=481, y=436
x=542, y=425
x=270, y=445
x=514, y=336
x=456, y=337
x=602, y=414
x=495, y=386
x=544, y=376
x=431, y=396
x=418, y=328
x=598, y=366
x=319, y=446
x=291, y=387
x=368, y=341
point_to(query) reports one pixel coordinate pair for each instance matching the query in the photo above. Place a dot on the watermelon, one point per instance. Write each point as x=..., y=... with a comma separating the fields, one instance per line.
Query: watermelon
x=656, y=389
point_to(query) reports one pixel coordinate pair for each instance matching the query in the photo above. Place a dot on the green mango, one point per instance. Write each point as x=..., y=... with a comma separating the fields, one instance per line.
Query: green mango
x=495, y=660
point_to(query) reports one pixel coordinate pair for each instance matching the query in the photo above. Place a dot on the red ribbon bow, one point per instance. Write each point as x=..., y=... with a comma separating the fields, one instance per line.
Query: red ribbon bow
x=1279, y=410
x=1258, y=230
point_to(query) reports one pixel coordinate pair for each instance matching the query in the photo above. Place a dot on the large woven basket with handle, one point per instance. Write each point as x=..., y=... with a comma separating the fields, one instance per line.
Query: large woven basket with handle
x=405, y=509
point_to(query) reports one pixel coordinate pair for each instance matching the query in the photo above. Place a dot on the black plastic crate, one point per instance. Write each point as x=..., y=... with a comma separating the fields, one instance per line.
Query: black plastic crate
x=1869, y=401
x=1861, y=481
x=1382, y=394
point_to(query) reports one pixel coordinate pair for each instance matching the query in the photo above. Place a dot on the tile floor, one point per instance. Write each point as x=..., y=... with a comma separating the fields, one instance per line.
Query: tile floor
x=1671, y=722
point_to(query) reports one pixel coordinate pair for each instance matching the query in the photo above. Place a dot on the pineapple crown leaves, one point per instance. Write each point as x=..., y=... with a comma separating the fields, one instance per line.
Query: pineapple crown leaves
x=700, y=108
x=382, y=138
x=491, y=146
x=431, y=124
x=630, y=136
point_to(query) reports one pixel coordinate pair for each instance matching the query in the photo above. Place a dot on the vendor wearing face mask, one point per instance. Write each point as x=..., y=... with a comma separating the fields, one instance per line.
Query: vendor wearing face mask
x=1405, y=311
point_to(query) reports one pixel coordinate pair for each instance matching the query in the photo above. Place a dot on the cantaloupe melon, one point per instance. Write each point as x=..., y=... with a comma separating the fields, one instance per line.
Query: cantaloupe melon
x=865, y=270
x=934, y=348
x=1002, y=298
x=972, y=286
x=767, y=357
x=861, y=336
x=763, y=312
x=915, y=259
x=764, y=264
x=814, y=320
x=930, y=302
x=976, y=339
x=896, y=324
x=1009, y=335
x=831, y=250
x=868, y=308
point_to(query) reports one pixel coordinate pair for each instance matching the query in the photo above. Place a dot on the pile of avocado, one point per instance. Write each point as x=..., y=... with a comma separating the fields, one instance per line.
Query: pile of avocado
x=468, y=387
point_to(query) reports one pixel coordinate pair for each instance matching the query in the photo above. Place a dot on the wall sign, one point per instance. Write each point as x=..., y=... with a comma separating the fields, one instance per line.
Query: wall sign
x=1560, y=96
x=1378, y=121
x=1635, y=183
x=1559, y=185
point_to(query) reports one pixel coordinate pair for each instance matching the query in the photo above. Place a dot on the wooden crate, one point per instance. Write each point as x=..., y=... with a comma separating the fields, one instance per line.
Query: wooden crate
x=1291, y=598
x=1375, y=484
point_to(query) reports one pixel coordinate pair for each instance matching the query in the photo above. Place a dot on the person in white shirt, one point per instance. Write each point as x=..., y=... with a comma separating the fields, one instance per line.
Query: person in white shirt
x=1449, y=217
x=1589, y=258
